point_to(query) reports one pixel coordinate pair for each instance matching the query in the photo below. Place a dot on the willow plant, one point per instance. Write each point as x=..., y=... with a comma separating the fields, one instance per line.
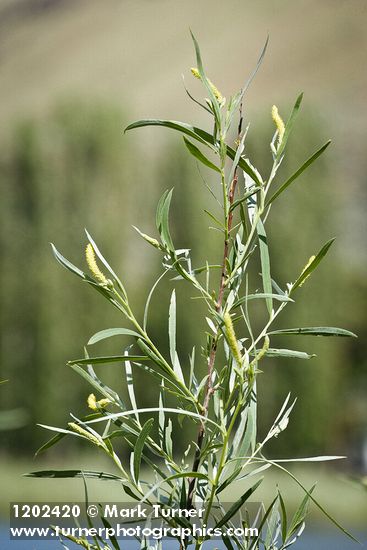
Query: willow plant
x=223, y=403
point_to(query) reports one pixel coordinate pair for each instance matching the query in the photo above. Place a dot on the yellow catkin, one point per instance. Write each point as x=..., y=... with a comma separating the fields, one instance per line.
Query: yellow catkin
x=92, y=438
x=278, y=123
x=96, y=405
x=304, y=269
x=92, y=402
x=195, y=72
x=213, y=88
x=92, y=264
x=231, y=339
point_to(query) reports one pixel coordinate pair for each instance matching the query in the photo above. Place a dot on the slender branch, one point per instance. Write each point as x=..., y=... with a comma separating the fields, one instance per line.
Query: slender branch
x=214, y=345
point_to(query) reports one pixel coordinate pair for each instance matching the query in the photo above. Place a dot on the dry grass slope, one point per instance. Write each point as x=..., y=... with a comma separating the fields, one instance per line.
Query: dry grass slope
x=135, y=51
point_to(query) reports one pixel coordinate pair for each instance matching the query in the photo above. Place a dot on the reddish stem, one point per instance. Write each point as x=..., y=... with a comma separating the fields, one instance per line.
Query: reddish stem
x=213, y=350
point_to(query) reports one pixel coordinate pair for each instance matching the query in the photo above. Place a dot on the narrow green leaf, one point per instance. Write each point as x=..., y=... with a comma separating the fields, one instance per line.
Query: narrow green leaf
x=172, y=337
x=89, y=520
x=234, y=103
x=271, y=352
x=160, y=205
x=238, y=440
x=213, y=99
x=65, y=263
x=315, y=331
x=58, y=437
x=249, y=440
x=284, y=520
x=183, y=127
x=262, y=295
x=229, y=480
x=107, y=333
x=281, y=421
x=93, y=436
x=183, y=495
x=108, y=359
x=152, y=356
x=237, y=505
x=272, y=526
x=168, y=438
x=59, y=430
x=321, y=508
x=253, y=74
x=324, y=458
x=262, y=523
x=300, y=514
x=161, y=415
x=289, y=124
x=315, y=262
x=50, y=443
x=139, y=446
x=74, y=473
x=218, y=222
x=200, y=156
x=131, y=494
x=265, y=264
x=195, y=100
x=130, y=386
x=172, y=327
x=192, y=368
x=200, y=135
x=304, y=166
x=150, y=295
x=162, y=219
x=277, y=288
x=111, y=538
x=227, y=542
x=239, y=151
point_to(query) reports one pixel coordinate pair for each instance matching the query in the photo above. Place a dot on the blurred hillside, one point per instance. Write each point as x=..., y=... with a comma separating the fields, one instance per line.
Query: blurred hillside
x=132, y=53
x=73, y=74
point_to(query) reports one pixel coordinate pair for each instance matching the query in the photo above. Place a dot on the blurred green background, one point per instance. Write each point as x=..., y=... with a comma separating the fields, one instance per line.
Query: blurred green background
x=73, y=74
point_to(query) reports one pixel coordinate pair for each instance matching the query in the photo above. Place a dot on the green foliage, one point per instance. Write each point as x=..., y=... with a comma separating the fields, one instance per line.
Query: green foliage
x=221, y=404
